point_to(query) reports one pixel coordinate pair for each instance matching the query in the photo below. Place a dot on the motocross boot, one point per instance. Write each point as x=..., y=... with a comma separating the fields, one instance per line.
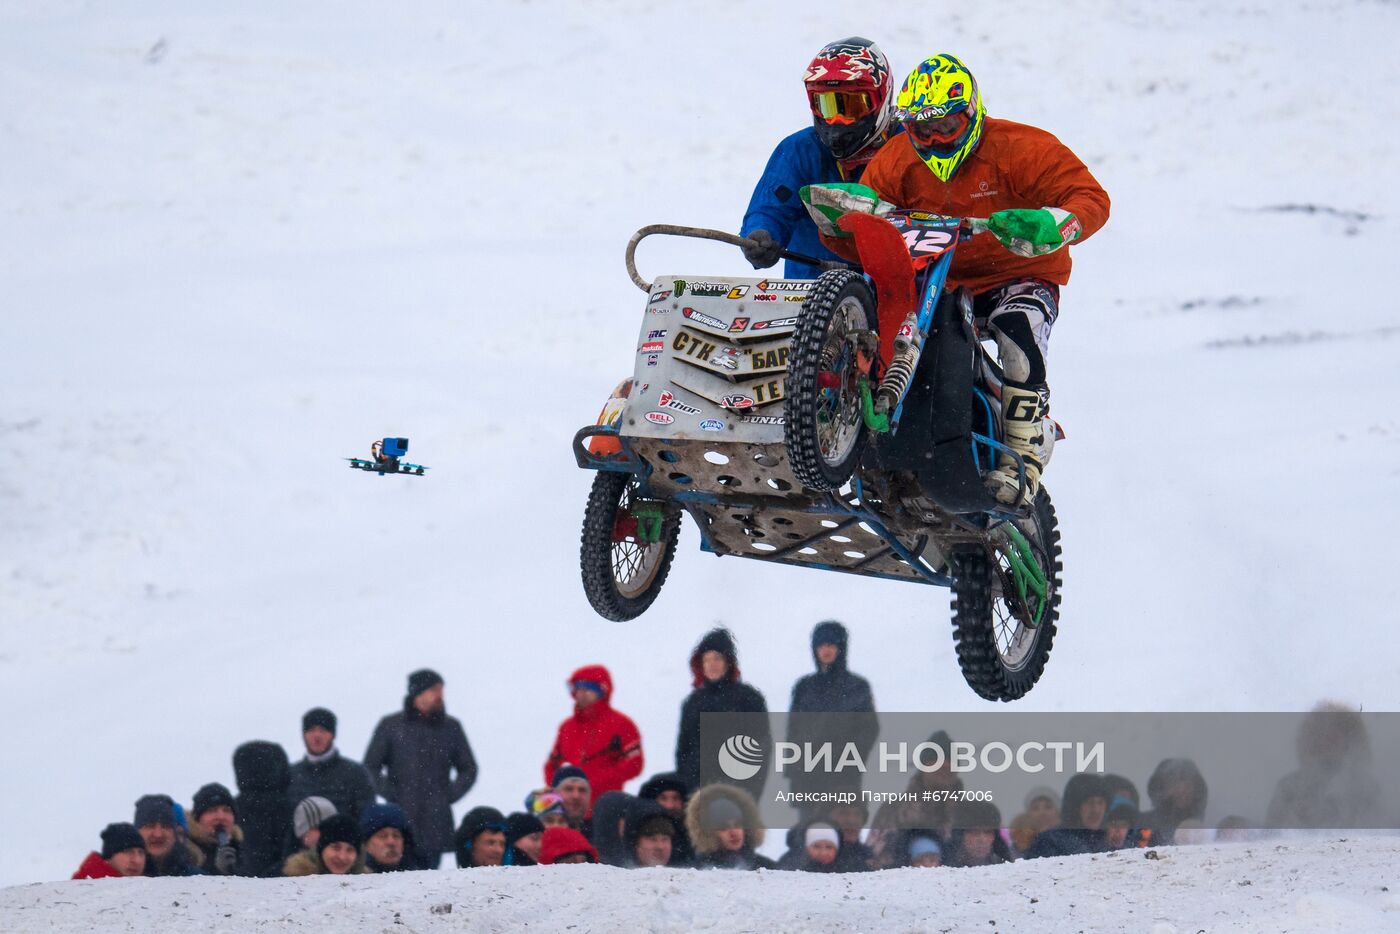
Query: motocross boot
x=1023, y=412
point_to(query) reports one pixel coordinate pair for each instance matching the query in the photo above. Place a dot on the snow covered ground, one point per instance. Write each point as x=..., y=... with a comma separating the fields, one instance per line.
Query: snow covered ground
x=1341, y=885
x=240, y=243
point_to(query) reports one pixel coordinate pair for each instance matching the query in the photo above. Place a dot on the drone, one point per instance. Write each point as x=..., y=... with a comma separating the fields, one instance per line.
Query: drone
x=384, y=458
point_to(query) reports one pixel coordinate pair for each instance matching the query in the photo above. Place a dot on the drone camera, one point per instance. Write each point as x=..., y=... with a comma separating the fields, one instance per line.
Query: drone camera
x=395, y=447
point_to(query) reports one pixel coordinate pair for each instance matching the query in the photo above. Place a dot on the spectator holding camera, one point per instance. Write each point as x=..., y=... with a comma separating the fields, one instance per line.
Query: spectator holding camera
x=215, y=831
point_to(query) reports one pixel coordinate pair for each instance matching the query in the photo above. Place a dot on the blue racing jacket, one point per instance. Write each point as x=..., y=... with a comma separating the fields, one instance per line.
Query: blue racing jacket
x=799, y=160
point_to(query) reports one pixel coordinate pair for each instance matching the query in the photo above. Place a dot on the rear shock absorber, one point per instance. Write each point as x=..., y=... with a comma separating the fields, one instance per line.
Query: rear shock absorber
x=908, y=341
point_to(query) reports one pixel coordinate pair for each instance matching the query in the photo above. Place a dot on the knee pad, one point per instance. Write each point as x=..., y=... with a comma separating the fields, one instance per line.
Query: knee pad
x=1016, y=325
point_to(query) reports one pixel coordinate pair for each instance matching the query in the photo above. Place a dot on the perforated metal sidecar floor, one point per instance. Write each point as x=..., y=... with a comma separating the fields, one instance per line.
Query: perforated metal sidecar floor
x=759, y=516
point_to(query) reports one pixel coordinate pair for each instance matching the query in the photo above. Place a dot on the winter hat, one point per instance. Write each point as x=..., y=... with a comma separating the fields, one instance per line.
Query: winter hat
x=977, y=815
x=540, y=803
x=719, y=640
x=338, y=828
x=474, y=823
x=378, y=816
x=829, y=632
x=1122, y=809
x=310, y=813
x=211, y=796
x=924, y=846
x=1042, y=791
x=660, y=782
x=318, y=716
x=819, y=832
x=656, y=825
x=721, y=812
x=566, y=772
x=558, y=842
x=521, y=825
x=423, y=679
x=261, y=765
x=154, y=809
x=595, y=678
x=119, y=837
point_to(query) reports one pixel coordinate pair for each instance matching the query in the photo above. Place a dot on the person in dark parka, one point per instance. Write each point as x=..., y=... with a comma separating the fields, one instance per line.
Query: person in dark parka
x=606, y=837
x=262, y=808
x=1177, y=791
x=324, y=772
x=412, y=757
x=647, y=821
x=715, y=667
x=667, y=790
x=1081, y=820
x=832, y=689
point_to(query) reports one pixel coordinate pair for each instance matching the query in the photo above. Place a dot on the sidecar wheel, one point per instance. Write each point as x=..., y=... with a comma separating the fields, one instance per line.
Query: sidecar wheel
x=1001, y=654
x=825, y=430
x=621, y=574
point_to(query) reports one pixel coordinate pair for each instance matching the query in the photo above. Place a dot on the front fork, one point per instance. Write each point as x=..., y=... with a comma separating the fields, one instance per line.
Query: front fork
x=1027, y=576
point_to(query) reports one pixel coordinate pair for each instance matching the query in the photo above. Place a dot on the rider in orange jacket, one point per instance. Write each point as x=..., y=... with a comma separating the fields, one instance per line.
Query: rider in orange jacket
x=1038, y=196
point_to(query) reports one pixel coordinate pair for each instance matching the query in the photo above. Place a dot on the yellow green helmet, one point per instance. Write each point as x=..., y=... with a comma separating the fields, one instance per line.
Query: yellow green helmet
x=942, y=113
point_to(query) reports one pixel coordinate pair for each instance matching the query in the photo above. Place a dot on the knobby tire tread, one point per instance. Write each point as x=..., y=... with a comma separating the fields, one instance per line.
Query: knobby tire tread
x=800, y=404
x=595, y=550
x=974, y=629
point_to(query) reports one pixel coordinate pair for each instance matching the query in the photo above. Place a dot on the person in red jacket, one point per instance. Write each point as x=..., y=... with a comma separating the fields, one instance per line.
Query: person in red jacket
x=123, y=855
x=1037, y=197
x=597, y=739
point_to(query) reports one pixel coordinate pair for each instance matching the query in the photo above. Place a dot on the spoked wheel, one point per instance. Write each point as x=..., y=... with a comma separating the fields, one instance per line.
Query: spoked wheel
x=1002, y=625
x=627, y=546
x=825, y=430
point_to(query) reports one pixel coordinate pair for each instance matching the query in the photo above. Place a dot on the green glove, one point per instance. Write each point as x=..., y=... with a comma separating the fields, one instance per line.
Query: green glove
x=1032, y=231
x=826, y=204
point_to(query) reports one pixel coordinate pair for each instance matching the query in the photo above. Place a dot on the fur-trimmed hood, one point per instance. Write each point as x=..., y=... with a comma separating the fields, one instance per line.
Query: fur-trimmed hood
x=707, y=841
x=308, y=863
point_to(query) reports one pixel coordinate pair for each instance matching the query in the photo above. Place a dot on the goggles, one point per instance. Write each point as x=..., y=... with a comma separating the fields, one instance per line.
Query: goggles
x=840, y=107
x=543, y=804
x=937, y=131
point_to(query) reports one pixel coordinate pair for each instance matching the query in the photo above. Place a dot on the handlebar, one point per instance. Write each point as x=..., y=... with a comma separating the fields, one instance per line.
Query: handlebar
x=703, y=233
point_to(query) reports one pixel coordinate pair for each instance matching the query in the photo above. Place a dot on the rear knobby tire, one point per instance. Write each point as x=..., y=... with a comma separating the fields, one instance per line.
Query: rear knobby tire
x=622, y=578
x=1000, y=655
x=825, y=431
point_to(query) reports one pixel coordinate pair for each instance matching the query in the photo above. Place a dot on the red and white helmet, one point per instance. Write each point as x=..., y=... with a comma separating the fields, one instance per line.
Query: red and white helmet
x=848, y=88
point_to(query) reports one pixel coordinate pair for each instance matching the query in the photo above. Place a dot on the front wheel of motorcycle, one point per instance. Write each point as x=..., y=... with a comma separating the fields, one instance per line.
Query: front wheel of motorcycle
x=626, y=546
x=825, y=430
x=1003, y=638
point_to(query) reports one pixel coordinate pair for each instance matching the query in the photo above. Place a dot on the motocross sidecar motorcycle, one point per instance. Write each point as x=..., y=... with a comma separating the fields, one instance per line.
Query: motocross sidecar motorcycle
x=843, y=423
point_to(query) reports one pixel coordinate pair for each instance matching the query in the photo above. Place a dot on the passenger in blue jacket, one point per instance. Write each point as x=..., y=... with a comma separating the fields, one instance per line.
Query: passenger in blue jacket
x=848, y=87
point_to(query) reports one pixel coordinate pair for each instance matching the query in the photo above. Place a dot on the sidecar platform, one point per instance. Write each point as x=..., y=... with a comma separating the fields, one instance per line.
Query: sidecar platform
x=703, y=426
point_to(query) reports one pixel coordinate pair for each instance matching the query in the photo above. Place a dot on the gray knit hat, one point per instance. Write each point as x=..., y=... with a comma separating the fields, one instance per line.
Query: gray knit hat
x=309, y=813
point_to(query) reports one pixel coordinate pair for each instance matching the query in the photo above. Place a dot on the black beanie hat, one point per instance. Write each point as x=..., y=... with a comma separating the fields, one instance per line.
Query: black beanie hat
x=566, y=772
x=154, y=809
x=211, y=796
x=339, y=828
x=318, y=716
x=520, y=825
x=119, y=837
x=421, y=680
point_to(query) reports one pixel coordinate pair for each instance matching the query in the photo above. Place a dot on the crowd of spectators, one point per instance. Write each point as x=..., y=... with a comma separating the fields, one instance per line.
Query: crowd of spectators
x=392, y=811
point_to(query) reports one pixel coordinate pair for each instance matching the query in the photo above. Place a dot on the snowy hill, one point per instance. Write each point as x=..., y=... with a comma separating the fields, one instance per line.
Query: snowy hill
x=238, y=245
x=1341, y=885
